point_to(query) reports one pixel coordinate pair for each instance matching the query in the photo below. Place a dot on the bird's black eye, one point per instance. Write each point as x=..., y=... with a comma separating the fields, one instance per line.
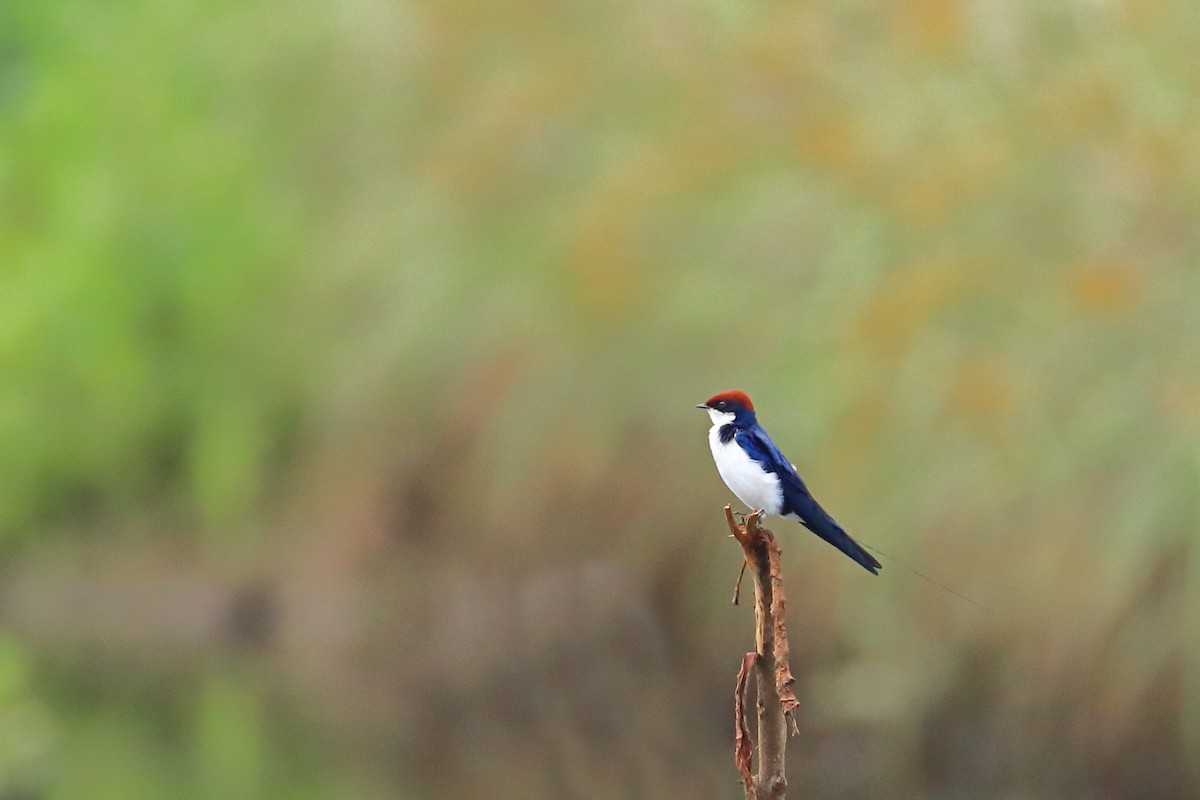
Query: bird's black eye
x=721, y=406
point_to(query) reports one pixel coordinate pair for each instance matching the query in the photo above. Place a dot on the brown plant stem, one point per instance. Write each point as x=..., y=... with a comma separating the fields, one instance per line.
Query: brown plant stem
x=773, y=676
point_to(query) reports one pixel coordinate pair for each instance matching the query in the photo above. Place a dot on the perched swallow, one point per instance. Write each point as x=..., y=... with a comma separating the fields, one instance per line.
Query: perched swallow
x=754, y=470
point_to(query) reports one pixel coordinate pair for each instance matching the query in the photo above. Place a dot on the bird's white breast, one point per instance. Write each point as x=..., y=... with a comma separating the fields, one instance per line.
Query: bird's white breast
x=752, y=484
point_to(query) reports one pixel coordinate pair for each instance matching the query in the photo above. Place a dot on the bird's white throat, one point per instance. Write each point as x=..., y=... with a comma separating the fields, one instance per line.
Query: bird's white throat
x=720, y=418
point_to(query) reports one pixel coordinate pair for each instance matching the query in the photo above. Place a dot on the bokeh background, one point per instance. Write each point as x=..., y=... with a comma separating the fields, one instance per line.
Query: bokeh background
x=347, y=361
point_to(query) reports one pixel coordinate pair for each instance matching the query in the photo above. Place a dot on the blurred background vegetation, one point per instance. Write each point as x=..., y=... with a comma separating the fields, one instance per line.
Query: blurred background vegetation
x=348, y=350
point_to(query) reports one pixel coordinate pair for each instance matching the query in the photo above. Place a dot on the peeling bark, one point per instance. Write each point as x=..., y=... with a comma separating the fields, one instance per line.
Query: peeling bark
x=743, y=748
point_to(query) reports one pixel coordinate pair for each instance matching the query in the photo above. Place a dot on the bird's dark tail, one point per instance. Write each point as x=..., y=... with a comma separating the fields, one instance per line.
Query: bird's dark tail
x=825, y=527
x=843, y=542
x=801, y=505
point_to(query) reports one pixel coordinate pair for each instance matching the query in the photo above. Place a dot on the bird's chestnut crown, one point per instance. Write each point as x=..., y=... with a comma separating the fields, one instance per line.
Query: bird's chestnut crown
x=729, y=402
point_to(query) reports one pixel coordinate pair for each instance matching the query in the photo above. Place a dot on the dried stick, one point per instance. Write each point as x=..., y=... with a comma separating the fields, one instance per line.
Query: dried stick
x=773, y=676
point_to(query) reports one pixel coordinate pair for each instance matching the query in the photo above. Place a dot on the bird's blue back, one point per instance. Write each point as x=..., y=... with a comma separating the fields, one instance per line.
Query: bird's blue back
x=796, y=497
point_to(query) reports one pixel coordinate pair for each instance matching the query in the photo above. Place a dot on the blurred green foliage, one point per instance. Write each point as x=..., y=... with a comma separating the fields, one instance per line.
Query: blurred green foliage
x=293, y=295
x=147, y=249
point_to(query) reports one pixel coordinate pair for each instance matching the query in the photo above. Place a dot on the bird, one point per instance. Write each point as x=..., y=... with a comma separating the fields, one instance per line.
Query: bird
x=755, y=470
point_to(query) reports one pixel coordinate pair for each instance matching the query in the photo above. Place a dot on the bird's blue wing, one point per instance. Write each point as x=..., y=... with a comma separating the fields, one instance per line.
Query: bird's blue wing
x=758, y=446
x=797, y=499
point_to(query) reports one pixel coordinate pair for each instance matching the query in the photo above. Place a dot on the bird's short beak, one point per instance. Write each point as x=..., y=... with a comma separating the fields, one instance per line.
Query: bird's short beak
x=702, y=405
